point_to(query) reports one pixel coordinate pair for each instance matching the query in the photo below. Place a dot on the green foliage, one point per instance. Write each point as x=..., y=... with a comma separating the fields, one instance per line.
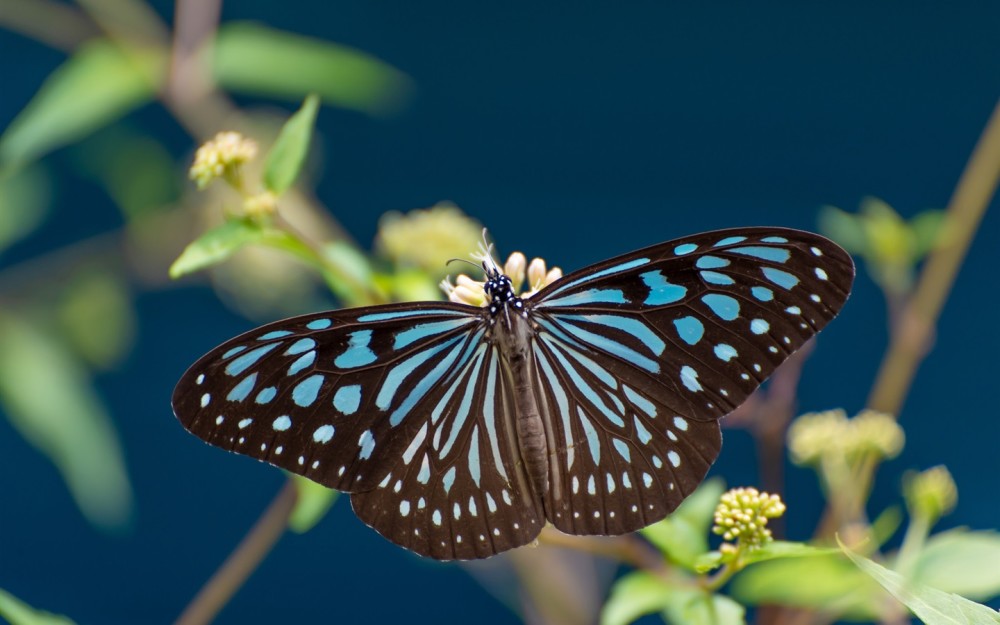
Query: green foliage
x=930, y=605
x=219, y=243
x=963, y=562
x=17, y=612
x=311, y=505
x=641, y=593
x=24, y=203
x=683, y=536
x=826, y=583
x=47, y=395
x=258, y=60
x=890, y=245
x=97, y=85
x=773, y=550
x=289, y=151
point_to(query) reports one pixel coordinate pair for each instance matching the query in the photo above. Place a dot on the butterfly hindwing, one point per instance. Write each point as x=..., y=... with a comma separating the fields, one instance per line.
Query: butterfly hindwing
x=458, y=491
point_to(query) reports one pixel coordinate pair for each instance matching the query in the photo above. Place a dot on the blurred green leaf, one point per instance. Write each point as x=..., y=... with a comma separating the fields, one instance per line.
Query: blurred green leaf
x=771, y=551
x=17, y=612
x=962, y=562
x=48, y=398
x=312, y=504
x=885, y=525
x=683, y=536
x=930, y=605
x=641, y=593
x=694, y=607
x=928, y=230
x=135, y=169
x=221, y=242
x=97, y=316
x=289, y=150
x=351, y=261
x=259, y=60
x=24, y=203
x=93, y=88
x=634, y=595
x=844, y=228
x=828, y=583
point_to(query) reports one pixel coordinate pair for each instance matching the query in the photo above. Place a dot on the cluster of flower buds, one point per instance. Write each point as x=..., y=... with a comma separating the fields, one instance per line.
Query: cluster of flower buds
x=742, y=516
x=222, y=157
x=815, y=437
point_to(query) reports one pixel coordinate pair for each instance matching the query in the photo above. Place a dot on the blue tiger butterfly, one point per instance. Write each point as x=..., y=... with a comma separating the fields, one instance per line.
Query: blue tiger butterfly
x=593, y=404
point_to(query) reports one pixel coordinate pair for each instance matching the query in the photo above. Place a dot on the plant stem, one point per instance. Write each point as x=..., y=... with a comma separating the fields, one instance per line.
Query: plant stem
x=243, y=561
x=909, y=342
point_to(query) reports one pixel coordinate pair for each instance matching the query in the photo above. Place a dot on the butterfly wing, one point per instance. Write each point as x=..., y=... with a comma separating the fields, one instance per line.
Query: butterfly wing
x=639, y=356
x=368, y=400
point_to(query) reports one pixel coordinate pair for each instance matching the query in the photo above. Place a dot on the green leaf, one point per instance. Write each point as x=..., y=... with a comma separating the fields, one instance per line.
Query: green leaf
x=17, y=612
x=928, y=228
x=259, y=60
x=221, y=242
x=885, y=525
x=694, y=607
x=48, y=398
x=683, y=536
x=961, y=562
x=844, y=228
x=93, y=88
x=930, y=605
x=681, y=603
x=313, y=502
x=771, y=551
x=635, y=595
x=828, y=583
x=289, y=151
x=96, y=316
x=24, y=203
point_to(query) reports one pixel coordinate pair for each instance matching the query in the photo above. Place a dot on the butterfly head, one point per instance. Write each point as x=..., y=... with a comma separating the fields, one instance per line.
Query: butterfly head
x=500, y=291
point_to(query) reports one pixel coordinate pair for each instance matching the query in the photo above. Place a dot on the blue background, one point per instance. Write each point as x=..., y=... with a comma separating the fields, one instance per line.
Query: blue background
x=575, y=131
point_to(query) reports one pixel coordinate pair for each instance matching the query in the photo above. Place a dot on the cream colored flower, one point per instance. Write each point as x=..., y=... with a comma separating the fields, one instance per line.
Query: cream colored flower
x=222, y=157
x=469, y=291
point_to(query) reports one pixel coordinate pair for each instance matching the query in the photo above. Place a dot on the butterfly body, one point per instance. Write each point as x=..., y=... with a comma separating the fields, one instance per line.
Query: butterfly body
x=593, y=404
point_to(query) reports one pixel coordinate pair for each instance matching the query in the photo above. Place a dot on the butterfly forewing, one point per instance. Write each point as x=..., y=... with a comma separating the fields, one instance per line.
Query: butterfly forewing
x=330, y=396
x=640, y=355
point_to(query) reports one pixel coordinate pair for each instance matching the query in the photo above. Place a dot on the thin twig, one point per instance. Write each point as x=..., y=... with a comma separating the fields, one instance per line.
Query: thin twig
x=908, y=343
x=243, y=561
x=55, y=24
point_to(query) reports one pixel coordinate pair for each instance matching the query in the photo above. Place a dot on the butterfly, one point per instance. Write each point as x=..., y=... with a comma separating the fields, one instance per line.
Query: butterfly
x=593, y=404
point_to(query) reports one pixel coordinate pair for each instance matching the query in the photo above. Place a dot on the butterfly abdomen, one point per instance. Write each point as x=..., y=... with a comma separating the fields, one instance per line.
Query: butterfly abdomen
x=515, y=347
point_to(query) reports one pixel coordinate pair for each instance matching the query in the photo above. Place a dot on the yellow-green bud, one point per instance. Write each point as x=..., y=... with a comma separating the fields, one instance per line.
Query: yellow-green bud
x=815, y=434
x=742, y=516
x=931, y=493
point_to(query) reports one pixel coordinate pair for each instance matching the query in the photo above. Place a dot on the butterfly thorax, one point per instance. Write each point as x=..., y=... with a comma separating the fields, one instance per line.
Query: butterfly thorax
x=513, y=338
x=502, y=298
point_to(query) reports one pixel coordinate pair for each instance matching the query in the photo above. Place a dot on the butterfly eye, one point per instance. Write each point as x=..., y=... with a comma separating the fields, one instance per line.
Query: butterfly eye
x=595, y=408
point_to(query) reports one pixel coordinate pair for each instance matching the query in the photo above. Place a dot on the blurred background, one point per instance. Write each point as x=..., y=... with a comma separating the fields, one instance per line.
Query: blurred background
x=574, y=132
